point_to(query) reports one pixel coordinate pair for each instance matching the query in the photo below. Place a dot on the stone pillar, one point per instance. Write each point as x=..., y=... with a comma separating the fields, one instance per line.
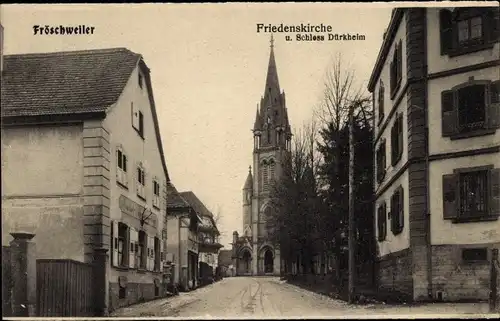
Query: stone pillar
x=23, y=269
x=100, y=282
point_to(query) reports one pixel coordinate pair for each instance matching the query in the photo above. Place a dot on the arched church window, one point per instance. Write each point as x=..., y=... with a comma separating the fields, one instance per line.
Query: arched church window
x=265, y=176
x=271, y=170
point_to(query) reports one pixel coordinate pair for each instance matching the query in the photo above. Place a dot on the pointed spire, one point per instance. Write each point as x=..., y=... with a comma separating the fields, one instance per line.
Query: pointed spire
x=249, y=181
x=272, y=84
x=258, y=123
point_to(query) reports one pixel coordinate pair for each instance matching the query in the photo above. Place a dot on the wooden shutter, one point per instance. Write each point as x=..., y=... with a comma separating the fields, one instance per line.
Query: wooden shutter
x=493, y=107
x=392, y=77
x=449, y=117
x=381, y=222
x=393, y=215
x=401, y=213
x=384, y=158
x=446, y=31
x=400, y=61
x=400, y=137
x=162, y=258
x=114, y=241
x=135, y=116
x=152, y=253
x=491, y=25
x=131, y=244
x=394, y=142
x=494, y=193
x=450, y=196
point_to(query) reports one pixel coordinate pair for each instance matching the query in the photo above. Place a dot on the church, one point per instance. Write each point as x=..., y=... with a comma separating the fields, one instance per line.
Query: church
x=252, y=252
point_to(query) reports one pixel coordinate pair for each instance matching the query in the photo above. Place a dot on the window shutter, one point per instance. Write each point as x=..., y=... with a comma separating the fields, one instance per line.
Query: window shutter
x=491, y=25
x=162, y=258
x=494, y=192
x=393, y=215
x=114, y=245
x=493, y=108
x=152, y=254
x=401, y=209
x=446, y=31
x=450, y=196
x=384, y=159
x=400, y=61
x=400, y=137
x=135, y=116
x=384, y=221
x=131, y=244
x=391, y=75
x=394, y=142
x=449, y=118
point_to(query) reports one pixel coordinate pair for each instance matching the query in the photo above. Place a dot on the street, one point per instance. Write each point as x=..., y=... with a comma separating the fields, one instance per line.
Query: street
x=253, y=297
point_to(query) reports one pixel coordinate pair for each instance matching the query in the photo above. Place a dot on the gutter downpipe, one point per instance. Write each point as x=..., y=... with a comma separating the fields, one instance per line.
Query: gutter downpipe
x=427, y=163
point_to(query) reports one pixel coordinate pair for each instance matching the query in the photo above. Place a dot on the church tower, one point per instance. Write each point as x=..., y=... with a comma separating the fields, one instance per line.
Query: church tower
x=272, y=136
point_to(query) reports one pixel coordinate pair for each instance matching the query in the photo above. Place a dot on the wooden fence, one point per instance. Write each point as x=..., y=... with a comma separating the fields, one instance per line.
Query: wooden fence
x=64, y=288
x=6, y=282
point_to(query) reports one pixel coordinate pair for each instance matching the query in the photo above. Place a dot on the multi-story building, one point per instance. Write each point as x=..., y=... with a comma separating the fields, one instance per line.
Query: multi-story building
x=253, y=253
x=83, y=165
x=435, y=89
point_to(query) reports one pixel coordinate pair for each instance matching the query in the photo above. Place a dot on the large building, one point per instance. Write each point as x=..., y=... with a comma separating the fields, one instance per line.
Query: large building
x=253, y=254
x=436, y=91
x=83, y=165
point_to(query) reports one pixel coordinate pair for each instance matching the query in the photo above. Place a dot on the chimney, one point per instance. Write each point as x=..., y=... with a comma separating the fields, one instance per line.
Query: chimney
x=1, y=49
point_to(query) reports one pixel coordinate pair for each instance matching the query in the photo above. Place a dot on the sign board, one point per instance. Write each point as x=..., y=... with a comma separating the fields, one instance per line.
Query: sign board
x=137, y=211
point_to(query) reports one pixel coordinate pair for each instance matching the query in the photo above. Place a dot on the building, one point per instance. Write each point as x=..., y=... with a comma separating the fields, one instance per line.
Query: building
x=435, y=89
x=83, y=165
x=208, y=236
x=225, y=262
x=182, y=243
x=253, y=254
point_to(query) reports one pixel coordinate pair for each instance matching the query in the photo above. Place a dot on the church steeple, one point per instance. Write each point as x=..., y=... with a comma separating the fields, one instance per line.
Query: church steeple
x=271, y=127
x=272, y=89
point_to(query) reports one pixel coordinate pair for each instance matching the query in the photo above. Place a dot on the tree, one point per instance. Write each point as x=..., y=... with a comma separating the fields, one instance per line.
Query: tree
x=339, y=96
x=295, y=219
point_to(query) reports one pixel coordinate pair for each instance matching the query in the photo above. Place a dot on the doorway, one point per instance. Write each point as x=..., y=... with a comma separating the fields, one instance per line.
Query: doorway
x=268, y=261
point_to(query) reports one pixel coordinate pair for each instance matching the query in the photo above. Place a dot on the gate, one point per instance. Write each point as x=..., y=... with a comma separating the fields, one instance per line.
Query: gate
x=64, y=288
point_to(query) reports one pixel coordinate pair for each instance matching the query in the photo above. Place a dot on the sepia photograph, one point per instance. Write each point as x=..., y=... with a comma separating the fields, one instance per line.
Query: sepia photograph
x=237, y=160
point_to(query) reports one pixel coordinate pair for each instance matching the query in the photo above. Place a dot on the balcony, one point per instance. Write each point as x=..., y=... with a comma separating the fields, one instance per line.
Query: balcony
x=208, y=245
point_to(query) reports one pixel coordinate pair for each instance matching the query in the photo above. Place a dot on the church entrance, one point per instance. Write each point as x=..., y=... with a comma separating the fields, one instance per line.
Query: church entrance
x=268, y=261
x=246, y=260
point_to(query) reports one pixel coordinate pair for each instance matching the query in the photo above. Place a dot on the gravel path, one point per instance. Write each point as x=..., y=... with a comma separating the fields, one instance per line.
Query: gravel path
x=258, y=297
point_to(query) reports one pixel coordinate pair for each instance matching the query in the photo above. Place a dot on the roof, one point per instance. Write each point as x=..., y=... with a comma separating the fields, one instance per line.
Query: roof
x=174, y=199
x=85, y=82
x=249, y=180
x=225, y=257
x=396, y=17
x=65, y=82
x=196, y=204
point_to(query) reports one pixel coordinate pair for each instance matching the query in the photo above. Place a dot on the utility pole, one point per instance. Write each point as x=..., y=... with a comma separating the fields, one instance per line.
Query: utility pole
x=352, y=228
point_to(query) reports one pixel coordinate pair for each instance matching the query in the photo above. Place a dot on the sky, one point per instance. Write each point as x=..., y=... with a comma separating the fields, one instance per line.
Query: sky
x=208, y=68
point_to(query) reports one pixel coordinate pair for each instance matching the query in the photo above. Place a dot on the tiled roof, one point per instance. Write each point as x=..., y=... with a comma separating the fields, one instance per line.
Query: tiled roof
x=70, y=83
x=174, y=199
x=196, y=204
x=65, y=82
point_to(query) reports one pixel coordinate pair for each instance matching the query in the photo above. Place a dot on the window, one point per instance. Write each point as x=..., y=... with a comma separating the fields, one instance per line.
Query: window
x=156, y=194
x=157, y=254
x=380, y=162
x=271, y=171
x=140, y=80
x=397, y=140
x=142, y=250
x=467, y=30
x=141, y=124
x=382, y=222
x=471, y=194
x=141, y=182
x=397, y=211
x=475, y=255
x=471, y=108
x=123, y=247
x=122, y=293
x=396, y=72
x=381, y=93
x=121, y=171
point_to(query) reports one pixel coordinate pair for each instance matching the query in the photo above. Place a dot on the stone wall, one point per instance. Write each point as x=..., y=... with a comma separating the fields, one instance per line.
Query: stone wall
x=135, y=293
x=457, y=280
x=394, y=273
